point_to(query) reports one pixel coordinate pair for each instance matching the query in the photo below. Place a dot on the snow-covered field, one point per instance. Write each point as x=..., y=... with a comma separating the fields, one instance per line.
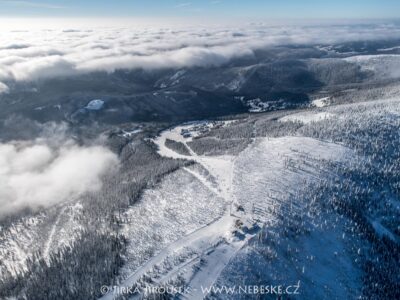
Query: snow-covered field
x=321, y=102
x=307, y=117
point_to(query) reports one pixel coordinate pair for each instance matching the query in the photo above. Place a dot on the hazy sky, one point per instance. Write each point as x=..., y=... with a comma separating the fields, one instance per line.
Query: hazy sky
x=224, y=9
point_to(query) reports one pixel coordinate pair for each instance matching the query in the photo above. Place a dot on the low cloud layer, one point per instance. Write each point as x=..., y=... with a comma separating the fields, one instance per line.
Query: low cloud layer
x=33, y=55
x=36, y=174
x=3, y=88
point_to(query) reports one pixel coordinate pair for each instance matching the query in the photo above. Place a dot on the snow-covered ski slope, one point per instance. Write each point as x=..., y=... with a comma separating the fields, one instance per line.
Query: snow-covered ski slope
x=201, y=219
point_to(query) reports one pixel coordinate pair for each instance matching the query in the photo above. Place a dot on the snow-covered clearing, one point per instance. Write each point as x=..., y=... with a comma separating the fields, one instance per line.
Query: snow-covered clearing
x=307, y=117
x=321, y=102
x=271, y=170
x=96, y=104
x=130, y=133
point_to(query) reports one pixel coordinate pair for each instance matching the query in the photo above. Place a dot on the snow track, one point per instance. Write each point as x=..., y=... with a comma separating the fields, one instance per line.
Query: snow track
x=204, y=181
x=50, y=239
x=64, y=229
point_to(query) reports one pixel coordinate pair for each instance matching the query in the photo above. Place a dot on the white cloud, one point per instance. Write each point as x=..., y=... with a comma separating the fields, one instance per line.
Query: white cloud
x=186, y=4
x=3, y=88
x=37, y=174
x=30, y=4
x=37, y=55
x=185, y=57
x=42, y=67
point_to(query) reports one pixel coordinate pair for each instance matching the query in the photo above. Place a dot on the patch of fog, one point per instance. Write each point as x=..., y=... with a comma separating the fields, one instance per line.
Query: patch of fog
x=3, y=88
x=37, y=174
